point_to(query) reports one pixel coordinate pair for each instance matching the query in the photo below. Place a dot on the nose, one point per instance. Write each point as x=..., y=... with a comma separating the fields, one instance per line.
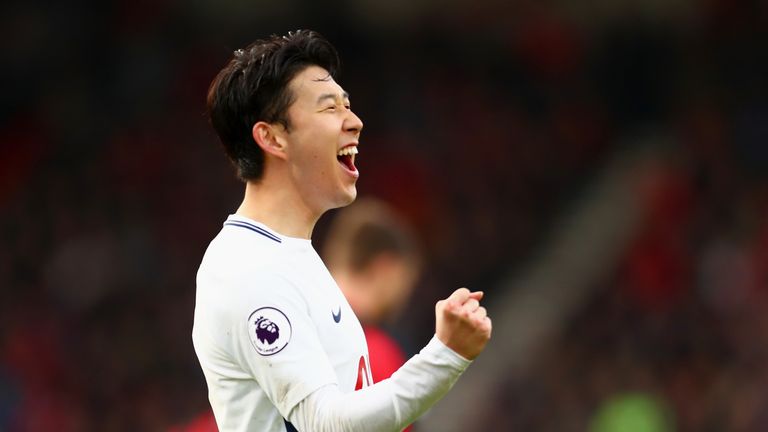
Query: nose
x=353, y=123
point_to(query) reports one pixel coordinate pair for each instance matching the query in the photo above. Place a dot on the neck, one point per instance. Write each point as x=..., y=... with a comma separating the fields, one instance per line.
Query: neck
x=277, y=207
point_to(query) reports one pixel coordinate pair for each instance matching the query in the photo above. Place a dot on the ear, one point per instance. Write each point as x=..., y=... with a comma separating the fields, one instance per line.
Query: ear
x=270, y=137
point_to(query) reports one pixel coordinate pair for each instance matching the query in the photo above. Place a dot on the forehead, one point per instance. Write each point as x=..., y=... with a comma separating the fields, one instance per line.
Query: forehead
x=312, y=82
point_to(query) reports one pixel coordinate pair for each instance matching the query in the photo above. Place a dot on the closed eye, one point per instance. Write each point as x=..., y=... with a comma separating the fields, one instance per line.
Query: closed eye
x=334, y=107
x=335, y=99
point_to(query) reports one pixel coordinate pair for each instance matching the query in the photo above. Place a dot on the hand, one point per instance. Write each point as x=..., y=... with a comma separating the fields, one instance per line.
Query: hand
x=462, y=324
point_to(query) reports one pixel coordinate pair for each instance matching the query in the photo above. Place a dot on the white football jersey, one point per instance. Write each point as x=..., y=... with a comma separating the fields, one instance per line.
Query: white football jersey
x=271, y=326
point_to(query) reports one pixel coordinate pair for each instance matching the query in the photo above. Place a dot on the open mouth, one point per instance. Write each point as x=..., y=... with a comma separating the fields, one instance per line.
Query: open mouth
x=346, y=157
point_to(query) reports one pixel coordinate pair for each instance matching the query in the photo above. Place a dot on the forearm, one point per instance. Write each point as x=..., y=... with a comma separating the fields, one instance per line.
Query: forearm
x=389, y=405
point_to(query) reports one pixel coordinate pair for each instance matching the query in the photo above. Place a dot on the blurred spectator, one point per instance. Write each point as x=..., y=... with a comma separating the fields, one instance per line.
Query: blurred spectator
x=374, y=257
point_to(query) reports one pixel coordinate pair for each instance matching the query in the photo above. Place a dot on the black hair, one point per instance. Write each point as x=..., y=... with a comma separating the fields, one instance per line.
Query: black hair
x=254, y=86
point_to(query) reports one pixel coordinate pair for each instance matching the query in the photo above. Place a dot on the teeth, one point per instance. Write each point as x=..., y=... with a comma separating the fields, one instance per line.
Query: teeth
x=350, y=150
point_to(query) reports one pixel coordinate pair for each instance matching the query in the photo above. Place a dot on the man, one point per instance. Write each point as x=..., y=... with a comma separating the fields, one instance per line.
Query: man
x=278, y=343
x=374, y=257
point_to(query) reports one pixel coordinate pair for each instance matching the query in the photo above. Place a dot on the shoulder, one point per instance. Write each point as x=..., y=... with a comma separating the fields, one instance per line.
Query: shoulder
x=241, y=269
x=244, y=302
x=240, y=243
x=240, y=252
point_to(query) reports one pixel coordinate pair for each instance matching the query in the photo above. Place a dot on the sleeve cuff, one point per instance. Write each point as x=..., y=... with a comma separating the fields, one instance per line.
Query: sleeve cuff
x=437, y=349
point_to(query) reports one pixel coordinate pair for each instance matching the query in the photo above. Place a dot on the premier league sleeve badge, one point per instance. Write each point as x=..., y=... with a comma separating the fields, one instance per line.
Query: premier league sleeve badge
x=269, y=330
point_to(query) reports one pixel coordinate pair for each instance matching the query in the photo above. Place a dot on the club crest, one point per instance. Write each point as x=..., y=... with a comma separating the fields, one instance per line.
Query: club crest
x=269, y=330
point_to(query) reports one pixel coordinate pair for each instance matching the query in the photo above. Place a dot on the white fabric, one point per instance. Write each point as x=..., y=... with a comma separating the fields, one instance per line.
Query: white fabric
x=389, y=405
x=276, y=340
x=244, y=271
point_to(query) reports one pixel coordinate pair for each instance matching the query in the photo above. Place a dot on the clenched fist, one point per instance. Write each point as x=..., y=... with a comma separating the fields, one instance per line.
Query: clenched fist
x=462, y=324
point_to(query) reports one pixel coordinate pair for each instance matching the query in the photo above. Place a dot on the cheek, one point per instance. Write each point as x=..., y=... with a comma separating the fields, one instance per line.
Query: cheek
x=311, y=159
x=315, y=155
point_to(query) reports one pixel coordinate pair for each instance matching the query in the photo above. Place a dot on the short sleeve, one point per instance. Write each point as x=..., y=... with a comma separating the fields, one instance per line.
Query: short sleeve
x=277, y=342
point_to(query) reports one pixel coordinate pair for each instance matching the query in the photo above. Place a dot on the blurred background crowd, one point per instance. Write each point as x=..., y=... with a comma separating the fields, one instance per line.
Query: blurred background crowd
x=484, y=123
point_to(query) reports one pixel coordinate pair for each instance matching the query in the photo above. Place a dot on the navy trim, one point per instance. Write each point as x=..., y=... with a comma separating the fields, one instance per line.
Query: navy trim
x=255, y=229
x=289, y=427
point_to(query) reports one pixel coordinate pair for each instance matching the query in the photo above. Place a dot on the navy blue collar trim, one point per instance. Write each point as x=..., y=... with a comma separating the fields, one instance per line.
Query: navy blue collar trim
x=254, y=228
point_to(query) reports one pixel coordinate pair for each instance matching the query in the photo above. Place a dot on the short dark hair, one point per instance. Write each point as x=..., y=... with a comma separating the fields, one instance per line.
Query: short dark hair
x=253, y=87
x=366, y=230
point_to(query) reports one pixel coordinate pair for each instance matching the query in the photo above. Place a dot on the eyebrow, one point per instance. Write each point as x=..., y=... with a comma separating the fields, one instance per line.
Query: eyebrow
x=331, y=96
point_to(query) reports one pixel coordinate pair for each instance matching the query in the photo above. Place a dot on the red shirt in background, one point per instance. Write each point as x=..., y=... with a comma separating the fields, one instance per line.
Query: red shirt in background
x=385, y=355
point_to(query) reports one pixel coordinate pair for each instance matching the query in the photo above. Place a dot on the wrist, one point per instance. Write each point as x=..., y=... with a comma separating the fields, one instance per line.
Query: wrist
x=438, y=346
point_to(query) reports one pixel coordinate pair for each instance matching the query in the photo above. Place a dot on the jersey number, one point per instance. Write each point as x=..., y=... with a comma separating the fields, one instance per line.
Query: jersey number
x=363, y=374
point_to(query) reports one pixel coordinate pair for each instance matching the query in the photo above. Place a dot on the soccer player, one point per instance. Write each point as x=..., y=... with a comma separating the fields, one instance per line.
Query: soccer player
x=278, y=343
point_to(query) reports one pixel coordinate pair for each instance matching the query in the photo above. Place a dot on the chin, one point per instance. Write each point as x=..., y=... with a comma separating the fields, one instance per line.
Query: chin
x=342, y=198
x=348, y=198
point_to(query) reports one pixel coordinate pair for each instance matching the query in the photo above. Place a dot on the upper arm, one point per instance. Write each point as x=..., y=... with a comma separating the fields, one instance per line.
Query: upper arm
x=276, y=342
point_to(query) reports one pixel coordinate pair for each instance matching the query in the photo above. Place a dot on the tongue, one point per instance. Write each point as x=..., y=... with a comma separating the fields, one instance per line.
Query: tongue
x=347, y=161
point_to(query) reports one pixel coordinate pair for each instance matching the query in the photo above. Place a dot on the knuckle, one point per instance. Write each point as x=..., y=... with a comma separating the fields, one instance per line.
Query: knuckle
x=461, y=292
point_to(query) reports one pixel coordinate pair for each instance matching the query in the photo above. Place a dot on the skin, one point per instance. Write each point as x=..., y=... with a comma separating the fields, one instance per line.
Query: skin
x=303, y=179
x=378, y=291
x=462, y=324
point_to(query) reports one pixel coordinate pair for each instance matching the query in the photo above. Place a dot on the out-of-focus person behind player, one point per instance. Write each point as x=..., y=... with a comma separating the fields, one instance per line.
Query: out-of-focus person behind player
x=375, y=258
x=279, y=345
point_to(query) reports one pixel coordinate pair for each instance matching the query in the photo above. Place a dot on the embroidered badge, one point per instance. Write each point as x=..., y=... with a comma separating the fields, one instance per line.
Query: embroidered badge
x=269, y=330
